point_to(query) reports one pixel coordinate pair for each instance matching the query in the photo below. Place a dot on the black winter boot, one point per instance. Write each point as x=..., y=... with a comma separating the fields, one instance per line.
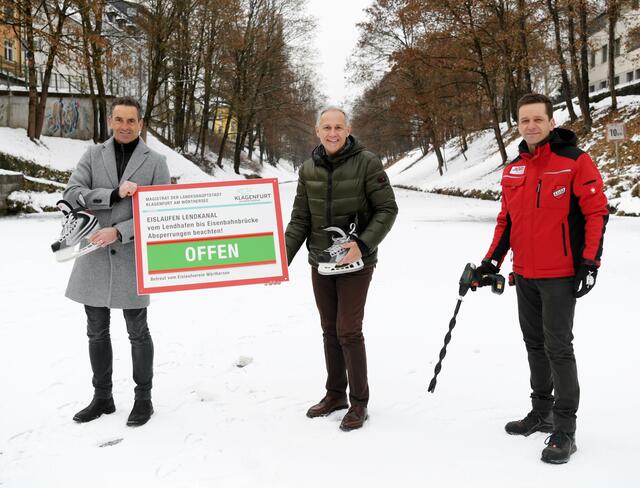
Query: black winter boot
x=560, y=447
x=97, y=407
x=534, y=422
x=140, y=413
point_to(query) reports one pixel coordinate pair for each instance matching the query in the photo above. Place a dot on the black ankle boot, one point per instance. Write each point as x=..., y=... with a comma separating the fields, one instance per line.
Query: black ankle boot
x=560, y=447
x=534, y=422
x=140, y=413
x=97, y=407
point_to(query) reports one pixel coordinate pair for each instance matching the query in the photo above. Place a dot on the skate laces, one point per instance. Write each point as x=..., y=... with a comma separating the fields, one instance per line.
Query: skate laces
x=556, y=439
x=68, y=226
x=336, y=248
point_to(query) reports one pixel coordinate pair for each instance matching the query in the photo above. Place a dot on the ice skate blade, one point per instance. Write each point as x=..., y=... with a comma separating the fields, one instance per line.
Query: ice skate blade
x=326, y=269
x=71, y=253
x=64, y=255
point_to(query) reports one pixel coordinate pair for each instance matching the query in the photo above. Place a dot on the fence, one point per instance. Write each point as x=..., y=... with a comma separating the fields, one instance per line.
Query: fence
x=15, y=75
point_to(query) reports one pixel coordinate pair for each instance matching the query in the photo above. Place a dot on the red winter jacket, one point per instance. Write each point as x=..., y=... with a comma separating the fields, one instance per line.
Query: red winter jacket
x=554, y=210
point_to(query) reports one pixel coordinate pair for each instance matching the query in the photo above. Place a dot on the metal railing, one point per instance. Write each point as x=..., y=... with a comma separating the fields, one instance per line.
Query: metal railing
x=14, y=74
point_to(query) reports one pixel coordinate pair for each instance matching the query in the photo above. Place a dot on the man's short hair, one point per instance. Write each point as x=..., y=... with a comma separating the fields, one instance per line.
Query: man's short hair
x=331, y=108
x=530, y=98
x=129, y=102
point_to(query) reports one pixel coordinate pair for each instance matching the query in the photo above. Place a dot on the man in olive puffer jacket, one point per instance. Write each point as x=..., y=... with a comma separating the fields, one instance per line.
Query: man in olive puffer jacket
x=342, y=184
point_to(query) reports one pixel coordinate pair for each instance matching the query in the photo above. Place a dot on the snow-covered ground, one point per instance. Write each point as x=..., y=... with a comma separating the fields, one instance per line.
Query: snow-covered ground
x=217, y=425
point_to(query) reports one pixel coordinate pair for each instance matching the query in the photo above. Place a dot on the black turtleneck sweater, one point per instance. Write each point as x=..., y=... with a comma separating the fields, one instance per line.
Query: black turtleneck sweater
x=123, y=154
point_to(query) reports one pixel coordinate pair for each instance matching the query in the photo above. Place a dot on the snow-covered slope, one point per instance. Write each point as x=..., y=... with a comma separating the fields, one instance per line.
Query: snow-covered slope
x=480, y=168
x=63, y=154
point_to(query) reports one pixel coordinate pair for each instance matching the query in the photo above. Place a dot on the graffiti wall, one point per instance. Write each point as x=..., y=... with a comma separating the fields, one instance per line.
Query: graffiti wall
x=64, y=116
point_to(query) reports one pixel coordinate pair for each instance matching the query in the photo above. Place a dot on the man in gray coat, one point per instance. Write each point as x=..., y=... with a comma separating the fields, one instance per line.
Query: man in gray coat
x=104, y=181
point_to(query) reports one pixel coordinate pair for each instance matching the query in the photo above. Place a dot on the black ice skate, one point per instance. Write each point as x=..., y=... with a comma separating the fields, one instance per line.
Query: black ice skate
x=329, y=258
x=76, y=226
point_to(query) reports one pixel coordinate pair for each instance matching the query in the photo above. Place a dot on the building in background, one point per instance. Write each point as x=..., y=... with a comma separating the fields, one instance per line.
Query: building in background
x=626, y=48
x=10, y=46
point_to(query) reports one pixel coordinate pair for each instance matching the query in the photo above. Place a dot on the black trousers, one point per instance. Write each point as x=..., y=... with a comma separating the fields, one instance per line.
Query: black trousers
x=546, y=309
x=101, y=355
x=340, y=300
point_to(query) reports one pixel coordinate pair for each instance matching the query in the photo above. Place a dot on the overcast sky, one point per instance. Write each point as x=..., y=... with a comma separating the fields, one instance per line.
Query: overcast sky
x=335, y=38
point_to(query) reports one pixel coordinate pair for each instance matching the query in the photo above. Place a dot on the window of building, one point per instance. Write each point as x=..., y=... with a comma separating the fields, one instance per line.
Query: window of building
x=629, y=76
x=603, y=84
x=593, y=59
x=638, y=74
x=616, y=47
x=616, y=81
x=8, y=11
x=8, y=50
x=605, y=53
x=592, y=88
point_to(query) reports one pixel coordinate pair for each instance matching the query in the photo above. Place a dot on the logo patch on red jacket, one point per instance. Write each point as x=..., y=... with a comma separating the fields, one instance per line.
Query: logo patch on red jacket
x=559, y=191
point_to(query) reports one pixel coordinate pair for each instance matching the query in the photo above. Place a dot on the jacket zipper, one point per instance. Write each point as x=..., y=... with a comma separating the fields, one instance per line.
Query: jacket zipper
x=564, y=240
x=329, y=194
x=538, y=192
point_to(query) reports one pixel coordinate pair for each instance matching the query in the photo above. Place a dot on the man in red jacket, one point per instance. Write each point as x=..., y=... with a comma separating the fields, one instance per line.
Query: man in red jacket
x=553, y=217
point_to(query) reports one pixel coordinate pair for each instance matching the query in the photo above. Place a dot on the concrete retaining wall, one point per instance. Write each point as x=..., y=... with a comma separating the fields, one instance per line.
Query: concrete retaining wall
x=8, y=183
x=65, y=115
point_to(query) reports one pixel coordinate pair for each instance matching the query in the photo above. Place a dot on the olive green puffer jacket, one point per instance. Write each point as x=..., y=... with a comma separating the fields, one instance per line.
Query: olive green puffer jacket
x=337, y=191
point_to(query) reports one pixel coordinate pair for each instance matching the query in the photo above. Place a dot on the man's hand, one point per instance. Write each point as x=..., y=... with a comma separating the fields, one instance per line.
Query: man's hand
x=487, y=267
x=353, y=255
x=127, y=189
x=104, y=237
x=585, y=279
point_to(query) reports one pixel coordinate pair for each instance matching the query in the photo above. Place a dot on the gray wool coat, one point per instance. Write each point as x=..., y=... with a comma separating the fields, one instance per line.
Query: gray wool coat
x=107, y=277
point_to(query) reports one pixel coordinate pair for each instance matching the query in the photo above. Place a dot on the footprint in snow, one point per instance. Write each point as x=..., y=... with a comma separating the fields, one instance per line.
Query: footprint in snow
x=111, y=442
x=243, y=361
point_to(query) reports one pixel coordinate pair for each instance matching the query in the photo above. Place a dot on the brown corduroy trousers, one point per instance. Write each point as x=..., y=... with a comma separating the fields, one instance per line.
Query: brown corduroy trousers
x=340, y=300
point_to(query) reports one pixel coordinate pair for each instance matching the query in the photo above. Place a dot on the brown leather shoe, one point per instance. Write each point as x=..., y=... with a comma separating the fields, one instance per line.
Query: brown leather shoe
x=325, y=406
x=355, y=418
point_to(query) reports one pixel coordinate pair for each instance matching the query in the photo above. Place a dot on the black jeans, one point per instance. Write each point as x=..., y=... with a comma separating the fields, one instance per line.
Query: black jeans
x=101, y=355
x=546, y=308
x=340, y=300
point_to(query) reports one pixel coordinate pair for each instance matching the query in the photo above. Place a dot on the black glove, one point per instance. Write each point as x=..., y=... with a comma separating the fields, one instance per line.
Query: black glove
x=585, y=279
x=486, y=268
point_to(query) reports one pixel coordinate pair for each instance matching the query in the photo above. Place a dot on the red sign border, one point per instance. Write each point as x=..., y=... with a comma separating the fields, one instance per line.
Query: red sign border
x=199, y=286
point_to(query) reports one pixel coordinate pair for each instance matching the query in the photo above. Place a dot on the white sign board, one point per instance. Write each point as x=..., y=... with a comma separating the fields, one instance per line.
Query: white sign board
x=205, y=235
x=615, y=132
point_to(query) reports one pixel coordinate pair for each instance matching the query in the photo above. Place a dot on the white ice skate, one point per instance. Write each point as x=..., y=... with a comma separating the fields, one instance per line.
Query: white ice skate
x=76, y=226
x=329, y=258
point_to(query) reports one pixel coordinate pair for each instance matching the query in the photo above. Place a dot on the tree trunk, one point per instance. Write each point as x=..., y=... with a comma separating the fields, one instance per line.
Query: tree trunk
x=51, y=56
x=612, y=15
x=566, y=85
x=92, y=92
x=575, y=69
x=584, y=62
x=524, y=45
x=238, y=150
x=31, y=70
